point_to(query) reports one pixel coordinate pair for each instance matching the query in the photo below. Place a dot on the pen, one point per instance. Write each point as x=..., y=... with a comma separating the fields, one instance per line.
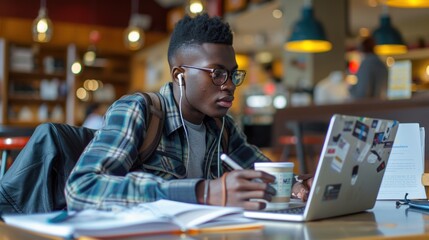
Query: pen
x=234, y=165
x=62, y=217
x=230, y=162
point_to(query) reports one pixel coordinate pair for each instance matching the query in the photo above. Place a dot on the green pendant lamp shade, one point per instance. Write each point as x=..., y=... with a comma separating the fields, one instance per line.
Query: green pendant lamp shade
x=408, y=3
x=308, y=35
x=388, y=39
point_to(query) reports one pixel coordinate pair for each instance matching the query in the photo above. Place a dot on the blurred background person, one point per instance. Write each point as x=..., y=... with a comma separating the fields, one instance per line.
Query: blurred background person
x=372, y=74
x=332, y=89
x=94, y=116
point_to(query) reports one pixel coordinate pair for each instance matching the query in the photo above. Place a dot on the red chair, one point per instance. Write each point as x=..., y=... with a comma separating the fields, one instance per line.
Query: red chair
x=8, y=144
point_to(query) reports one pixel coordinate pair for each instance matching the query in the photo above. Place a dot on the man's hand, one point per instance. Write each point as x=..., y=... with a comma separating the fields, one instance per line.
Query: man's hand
x=302, y=187
x=240, y=189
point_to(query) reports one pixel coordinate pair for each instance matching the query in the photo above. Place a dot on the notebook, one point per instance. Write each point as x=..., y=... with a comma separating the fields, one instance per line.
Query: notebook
x=349, y=172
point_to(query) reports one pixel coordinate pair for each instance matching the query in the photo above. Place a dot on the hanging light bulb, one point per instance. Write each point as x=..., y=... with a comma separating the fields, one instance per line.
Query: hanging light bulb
x=308, y=34
x=42, y=26
x=134, y=35
x=387, y=38
x=195, y=7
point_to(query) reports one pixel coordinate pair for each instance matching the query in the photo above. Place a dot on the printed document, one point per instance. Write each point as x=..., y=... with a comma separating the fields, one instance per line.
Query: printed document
x=406, y=165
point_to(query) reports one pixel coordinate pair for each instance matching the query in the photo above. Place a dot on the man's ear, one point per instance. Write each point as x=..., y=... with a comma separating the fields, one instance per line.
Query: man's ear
x=178, y=76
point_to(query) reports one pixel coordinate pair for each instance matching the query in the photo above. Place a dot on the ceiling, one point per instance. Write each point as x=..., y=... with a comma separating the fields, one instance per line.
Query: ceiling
x=253, y=27
x=110, y=13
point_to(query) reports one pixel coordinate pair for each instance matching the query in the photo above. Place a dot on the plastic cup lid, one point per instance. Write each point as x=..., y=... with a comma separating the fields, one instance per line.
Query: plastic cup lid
x=275, y=164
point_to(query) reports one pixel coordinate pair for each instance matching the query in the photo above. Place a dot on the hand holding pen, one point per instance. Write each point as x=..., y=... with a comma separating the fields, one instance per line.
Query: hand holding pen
x=239, y=188
x=234, y=165
x=230, y=162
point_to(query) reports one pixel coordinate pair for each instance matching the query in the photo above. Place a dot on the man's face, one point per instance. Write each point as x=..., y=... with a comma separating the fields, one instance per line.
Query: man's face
x=200, y=96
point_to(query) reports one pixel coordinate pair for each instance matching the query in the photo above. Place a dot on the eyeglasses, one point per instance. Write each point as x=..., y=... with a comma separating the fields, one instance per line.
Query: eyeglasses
x=406, y=201
x=416, y=203
x=220, y=76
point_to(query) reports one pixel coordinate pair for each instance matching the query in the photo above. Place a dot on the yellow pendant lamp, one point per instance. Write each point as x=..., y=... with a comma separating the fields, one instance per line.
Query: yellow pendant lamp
x=308, y=34
x=387, y=38
x=408, y=3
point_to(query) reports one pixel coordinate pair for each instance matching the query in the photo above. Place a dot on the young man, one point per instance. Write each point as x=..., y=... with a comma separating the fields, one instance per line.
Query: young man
x=186, y=166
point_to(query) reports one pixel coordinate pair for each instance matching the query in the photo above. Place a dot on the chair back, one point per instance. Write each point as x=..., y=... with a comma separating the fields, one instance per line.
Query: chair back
x=12, y=139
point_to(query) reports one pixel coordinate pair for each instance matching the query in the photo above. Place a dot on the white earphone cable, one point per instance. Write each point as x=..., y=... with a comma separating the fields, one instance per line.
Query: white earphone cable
x=218, y=147
x=184, y=126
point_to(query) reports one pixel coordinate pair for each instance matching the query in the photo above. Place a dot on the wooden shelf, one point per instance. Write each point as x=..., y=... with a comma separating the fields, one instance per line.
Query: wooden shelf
x=23, y=88
x=43, y=72
x=34, y=99
x=22, y=75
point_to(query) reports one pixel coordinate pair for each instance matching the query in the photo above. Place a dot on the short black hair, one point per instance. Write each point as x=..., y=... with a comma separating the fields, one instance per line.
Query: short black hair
x=198, y=30
x=367, y=45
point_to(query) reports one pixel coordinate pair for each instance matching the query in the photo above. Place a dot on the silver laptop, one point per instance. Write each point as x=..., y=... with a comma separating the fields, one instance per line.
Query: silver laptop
x=349, y=172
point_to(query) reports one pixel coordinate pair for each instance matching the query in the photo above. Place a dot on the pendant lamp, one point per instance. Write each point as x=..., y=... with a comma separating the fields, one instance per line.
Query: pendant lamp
x=408, y=3
x=308, y=34
x=42, y=28
x=388, y=39
x=134, y=35
x=195, y=7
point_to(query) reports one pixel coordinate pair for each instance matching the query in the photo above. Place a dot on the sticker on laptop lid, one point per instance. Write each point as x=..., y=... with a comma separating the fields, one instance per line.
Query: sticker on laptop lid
x=374, y=157
x=336, y=138
x=378, y=138
x=331, y=150
x=381, y=167
x=388, y=130
x=348, y=126
x=381, y=127
x=341, y=154
x=360, y=131
x=388, y=144
x=355, y=175
x=374, y=123
x=363, y=152
x=331, y=192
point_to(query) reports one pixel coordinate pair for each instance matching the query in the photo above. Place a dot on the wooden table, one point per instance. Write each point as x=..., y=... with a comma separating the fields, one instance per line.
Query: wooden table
x=385, y=221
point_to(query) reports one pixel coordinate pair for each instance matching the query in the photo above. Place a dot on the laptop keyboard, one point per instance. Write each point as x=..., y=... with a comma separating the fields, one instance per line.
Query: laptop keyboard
x=294, y=210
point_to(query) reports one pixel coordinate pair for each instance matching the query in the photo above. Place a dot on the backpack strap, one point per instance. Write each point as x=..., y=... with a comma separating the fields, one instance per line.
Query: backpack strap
x=225, y=136
x=155, y=119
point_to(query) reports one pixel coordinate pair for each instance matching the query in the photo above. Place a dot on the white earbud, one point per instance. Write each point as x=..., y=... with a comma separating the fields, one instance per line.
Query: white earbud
x=180, y=76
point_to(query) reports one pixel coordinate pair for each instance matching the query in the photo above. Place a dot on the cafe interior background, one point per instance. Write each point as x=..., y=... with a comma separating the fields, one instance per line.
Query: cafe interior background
x=86, y=57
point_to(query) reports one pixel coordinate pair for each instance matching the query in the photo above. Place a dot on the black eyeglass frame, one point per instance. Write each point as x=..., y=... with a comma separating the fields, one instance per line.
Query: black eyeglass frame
x=231, y=74
x=422, y=204
x=406, y=201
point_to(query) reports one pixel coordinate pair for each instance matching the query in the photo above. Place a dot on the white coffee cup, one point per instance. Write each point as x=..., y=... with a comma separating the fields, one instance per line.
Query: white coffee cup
x=283, y=171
